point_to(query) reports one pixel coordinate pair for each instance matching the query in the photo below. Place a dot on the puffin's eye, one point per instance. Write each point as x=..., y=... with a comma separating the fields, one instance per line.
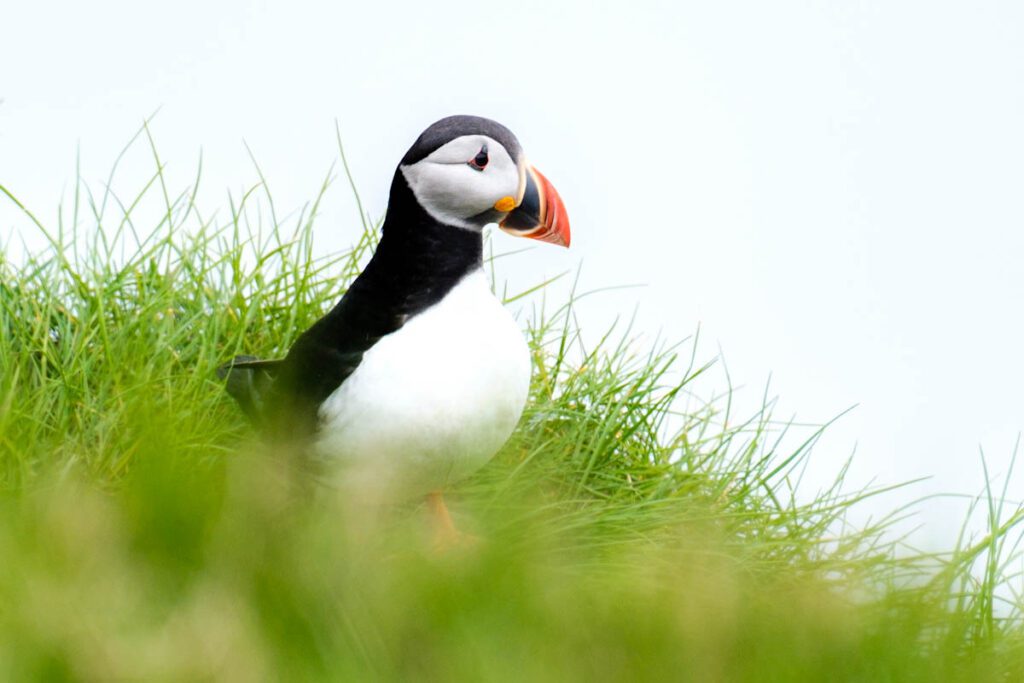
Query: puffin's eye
x=479, y=162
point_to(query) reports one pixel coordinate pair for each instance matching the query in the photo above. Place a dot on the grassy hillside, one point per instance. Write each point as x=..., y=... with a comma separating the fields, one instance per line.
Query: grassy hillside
x=628, y=531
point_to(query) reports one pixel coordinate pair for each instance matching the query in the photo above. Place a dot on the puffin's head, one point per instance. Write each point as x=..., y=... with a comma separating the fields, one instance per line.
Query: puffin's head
x=468, y=171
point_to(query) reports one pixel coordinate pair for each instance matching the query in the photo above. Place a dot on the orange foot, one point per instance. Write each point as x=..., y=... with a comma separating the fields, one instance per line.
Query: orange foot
x=445, y=536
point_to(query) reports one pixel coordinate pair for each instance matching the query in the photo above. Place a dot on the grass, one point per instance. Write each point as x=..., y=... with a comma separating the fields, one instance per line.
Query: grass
x=629, y=530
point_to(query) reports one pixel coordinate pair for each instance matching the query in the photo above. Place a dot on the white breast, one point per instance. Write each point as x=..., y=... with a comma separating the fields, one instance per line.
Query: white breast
x=432, y=402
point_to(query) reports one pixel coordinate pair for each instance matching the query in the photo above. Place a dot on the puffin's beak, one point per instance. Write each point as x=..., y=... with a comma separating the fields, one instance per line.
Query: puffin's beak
x=540, y=214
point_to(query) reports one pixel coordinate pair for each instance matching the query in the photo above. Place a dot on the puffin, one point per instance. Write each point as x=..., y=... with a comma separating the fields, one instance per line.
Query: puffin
x=418, y=375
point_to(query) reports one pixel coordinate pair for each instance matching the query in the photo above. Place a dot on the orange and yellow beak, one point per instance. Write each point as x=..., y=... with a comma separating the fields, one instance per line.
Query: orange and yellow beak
x=540, y=213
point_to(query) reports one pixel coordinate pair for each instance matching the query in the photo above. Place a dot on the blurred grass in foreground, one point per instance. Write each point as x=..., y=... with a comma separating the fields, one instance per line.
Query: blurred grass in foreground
x=144, y=534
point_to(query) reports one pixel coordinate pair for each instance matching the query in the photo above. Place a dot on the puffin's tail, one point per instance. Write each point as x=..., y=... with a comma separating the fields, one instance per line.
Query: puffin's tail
x=247, y=380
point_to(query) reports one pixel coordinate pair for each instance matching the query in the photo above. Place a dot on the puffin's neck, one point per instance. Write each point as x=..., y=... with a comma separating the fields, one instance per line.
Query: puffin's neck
x=419, y=259
x=411, y=234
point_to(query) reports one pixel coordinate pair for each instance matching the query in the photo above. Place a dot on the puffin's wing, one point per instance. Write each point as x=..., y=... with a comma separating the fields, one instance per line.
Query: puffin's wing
x=312, y=371
x=247, y=380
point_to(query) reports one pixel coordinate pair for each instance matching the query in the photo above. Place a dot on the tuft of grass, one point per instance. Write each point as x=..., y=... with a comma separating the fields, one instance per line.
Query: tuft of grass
x=629, y=530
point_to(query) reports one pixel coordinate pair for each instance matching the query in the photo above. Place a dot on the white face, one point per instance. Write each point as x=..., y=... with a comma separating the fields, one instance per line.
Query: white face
x=453, y=189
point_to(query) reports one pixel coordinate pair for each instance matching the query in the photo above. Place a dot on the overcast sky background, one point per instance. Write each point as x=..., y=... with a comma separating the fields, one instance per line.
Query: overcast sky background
x=834, y=192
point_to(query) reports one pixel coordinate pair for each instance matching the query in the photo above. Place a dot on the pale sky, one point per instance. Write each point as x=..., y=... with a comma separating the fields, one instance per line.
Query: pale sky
x=833, y=192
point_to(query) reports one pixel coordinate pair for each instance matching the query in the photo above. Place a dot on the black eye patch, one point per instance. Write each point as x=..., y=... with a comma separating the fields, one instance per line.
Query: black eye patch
x=479, y=162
